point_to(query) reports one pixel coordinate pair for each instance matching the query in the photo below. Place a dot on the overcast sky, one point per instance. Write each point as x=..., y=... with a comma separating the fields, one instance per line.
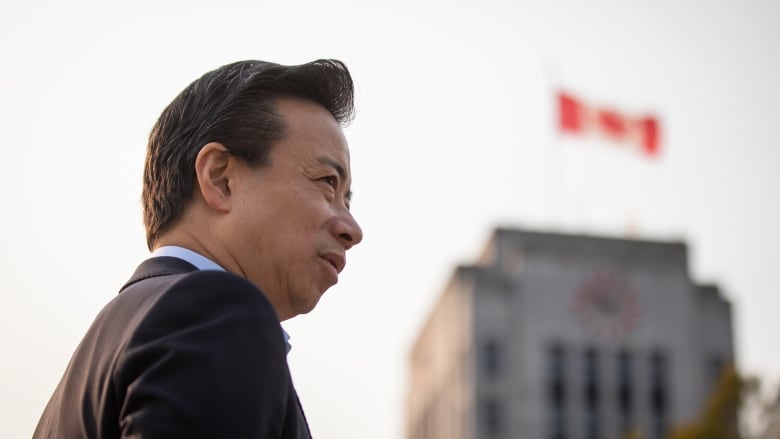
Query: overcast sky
x=454, y=136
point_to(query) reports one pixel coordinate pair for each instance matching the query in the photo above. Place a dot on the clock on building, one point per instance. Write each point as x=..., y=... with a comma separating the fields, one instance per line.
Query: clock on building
x=606, y=306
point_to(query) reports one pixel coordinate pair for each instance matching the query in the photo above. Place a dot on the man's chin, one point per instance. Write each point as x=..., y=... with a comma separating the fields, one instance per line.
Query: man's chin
x=306, y=306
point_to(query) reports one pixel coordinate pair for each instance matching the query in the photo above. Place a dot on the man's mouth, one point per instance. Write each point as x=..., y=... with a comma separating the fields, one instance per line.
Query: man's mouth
x=336, y=260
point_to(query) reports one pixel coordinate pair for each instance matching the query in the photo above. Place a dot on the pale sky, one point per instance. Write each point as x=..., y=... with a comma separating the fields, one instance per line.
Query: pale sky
x=453, y=137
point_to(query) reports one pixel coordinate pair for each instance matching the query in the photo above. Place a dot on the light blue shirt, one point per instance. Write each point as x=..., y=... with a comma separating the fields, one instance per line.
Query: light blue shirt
x=201, y=263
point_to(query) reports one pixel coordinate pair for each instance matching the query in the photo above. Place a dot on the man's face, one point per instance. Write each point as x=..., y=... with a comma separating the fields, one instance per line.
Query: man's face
x=290, y=223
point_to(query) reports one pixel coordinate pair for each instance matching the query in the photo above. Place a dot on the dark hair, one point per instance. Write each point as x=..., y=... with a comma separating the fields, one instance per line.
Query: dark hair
x=232, y=105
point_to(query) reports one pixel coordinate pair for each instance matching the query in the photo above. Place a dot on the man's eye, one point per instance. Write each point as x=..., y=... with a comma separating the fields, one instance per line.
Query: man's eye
x=331, y=181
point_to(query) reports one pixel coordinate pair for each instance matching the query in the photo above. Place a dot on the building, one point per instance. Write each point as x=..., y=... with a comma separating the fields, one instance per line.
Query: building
x=556, y=336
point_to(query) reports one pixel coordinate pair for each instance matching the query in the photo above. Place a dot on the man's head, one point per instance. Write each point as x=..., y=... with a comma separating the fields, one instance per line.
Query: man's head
x=249, y=166
x=232, y=105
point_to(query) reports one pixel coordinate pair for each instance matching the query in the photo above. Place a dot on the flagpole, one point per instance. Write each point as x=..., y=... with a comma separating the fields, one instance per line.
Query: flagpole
x=554, y=149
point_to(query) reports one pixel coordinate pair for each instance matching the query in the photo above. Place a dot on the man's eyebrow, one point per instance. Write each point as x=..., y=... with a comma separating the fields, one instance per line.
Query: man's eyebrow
x=327, y=161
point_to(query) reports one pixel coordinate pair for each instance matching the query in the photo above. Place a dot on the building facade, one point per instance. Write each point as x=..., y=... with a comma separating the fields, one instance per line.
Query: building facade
x=555, y=336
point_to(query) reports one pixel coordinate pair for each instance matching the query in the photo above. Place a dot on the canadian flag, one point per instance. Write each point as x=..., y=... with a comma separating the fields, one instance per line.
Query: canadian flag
x=577, y=117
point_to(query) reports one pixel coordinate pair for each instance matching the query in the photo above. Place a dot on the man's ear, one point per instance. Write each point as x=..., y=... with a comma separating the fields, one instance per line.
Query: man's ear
x=212, y=173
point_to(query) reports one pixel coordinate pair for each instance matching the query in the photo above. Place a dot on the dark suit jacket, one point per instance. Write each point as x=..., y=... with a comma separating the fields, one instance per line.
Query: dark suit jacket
x=179, y=353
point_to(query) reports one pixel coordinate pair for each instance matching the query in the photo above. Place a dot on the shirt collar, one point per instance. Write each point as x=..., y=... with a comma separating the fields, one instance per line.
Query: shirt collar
x=201, y=263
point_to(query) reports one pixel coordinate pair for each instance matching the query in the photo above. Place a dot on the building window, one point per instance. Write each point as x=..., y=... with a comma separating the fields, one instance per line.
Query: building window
x=591, y=394
x=556, y=392
x=658, y=394
x=714, y=370
x=492, y=358
x=492, y=417
x=625, y=391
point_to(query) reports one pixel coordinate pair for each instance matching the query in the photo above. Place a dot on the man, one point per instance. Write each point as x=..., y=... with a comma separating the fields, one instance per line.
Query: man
x=246, y=196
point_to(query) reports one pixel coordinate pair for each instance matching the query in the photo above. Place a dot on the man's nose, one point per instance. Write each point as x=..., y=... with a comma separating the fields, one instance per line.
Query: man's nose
x=348, y=231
